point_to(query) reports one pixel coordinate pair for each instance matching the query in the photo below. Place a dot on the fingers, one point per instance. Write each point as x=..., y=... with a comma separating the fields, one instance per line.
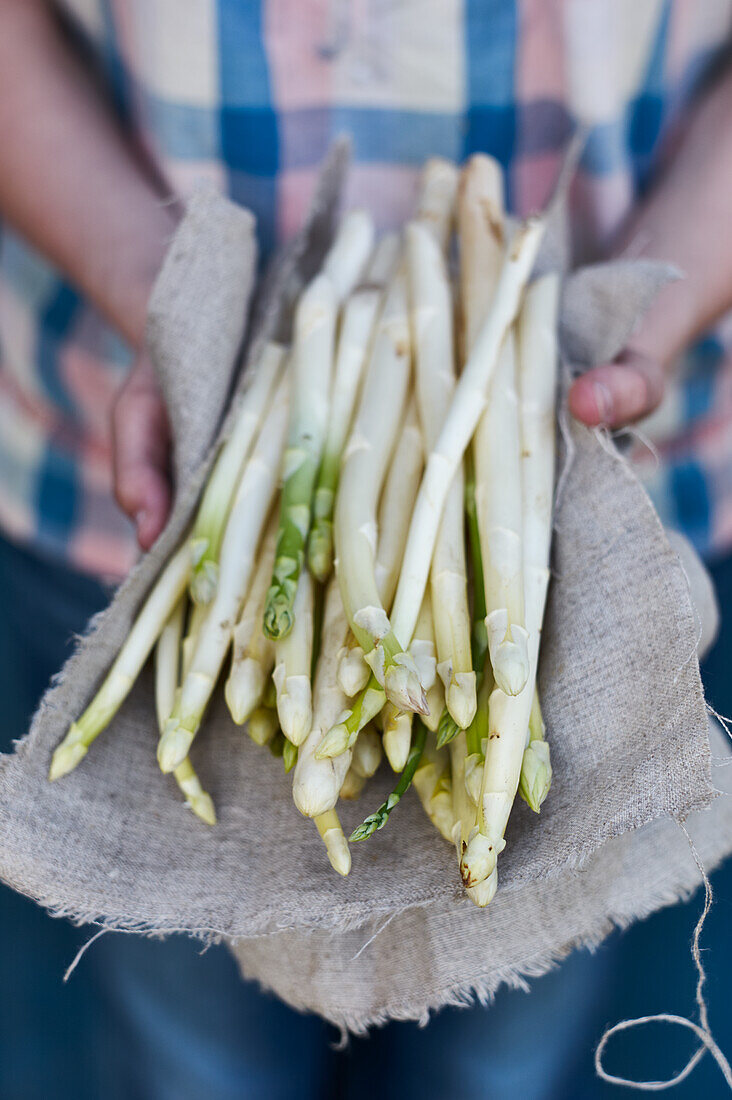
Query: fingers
x=617, y=393
x=141, y=453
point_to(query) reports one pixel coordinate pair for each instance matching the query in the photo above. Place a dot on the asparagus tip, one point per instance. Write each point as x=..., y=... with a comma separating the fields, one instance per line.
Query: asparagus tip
x=403, y=688
x=204, y=582
x=173, y=746
x=203, y=807
x=289, y=755
x=479, y=858
x=278, y=616
x=334, y=742
x=66, y=757
x=338, y=851
x=447, y=730
x=536, y=774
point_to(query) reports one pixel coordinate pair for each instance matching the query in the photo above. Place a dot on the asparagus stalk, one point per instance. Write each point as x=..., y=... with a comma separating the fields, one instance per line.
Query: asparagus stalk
x=379, y=818
x=163, y=598
x=458, y=428
x=509, y=715
x=241, y=538
x=317, y=781
x=397, y=501
x=167, y=657
x=359, y=316
x=349, y=253
x=497, y=445
x=311, y=368
x=536, y=768
x=432, y=782
x=293, y=661
x=353, y=672
x=367, y=753
x=334, y=838
x=352, y=786
x=215, y=505
x=365, y=461
x=424, y=652
x=253, y=655
x=196, y=615
x=264, y=727
x=397, y=735
x=431, y=316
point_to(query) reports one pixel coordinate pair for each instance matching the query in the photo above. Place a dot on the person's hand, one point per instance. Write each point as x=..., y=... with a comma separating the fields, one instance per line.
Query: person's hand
x=618, y=393
x=141, y=452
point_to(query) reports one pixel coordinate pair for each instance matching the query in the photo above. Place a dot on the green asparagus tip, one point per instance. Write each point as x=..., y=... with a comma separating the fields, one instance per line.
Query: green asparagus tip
x=278, y=616
x=368, y=827
x=447, y=730
x=289, y=755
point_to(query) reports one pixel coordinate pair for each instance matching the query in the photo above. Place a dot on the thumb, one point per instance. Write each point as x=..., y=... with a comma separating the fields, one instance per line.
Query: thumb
x=617, y=393
x=141, y=452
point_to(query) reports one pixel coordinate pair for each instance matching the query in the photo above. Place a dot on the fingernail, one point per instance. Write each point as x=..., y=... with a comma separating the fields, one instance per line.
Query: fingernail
x=603, y=401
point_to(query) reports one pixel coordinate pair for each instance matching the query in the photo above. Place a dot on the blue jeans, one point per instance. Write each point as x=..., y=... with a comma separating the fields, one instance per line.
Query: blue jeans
x=161, y=1020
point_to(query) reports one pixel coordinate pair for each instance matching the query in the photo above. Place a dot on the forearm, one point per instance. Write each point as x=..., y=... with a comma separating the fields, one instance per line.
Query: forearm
x=69, y=181
x=687, y=220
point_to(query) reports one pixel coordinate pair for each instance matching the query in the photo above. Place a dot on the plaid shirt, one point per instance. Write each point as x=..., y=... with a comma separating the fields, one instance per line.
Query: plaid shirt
x=248, y=93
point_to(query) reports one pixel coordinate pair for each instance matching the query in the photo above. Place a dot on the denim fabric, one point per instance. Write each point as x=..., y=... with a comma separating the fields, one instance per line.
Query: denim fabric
x=162, y=1020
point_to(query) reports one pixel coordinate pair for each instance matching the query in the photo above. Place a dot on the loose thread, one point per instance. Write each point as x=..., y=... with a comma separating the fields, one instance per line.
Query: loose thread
x=82, y=951
x=372, y=938
x=701, y=1030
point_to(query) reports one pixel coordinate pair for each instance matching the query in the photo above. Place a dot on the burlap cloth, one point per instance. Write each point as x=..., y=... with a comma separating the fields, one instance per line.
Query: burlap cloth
x=113, y=844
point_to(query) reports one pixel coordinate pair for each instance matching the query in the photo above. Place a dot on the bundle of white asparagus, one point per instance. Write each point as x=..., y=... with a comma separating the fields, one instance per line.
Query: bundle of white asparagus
x=369, y=560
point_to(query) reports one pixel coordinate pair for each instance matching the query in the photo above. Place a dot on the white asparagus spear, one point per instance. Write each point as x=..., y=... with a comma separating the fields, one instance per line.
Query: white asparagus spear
x=167, y=660
x=352, y=785
x=196, y=615
x=243, y=532
x=365, y=461
x=354, y=337
x=252, y=655
x=387, y=657
x=465, y=411
x=498, y=503
x=510, y=715
x=436, y=202
x=213, y=510
x=397, y=735
x=353, y=672
x=335, y=841
x=162, y=599
x=433, y=785
x=496, y=446
x=431, y=315
x=263, y=724
x=367, y=753
x=316, y=783
x=293, y=662
x=349, y=253
x=311, y=366
x=395, y=508
x=424, y=651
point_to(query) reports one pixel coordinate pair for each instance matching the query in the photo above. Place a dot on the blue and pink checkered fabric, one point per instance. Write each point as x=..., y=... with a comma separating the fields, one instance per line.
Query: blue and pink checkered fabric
x=249, y=93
